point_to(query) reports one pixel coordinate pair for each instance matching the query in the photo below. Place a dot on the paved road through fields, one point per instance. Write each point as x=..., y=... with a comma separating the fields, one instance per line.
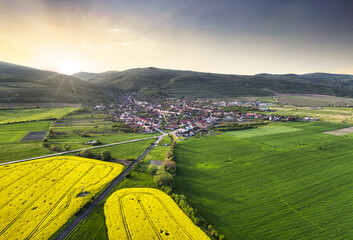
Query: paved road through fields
x=78, y=150
x=89, y=208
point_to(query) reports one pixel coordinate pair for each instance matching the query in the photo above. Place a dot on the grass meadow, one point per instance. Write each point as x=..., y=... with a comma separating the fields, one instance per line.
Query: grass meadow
x=292, y=184
x=127, y=150
x=338, y=115
x=32, y=114
x=11, y=147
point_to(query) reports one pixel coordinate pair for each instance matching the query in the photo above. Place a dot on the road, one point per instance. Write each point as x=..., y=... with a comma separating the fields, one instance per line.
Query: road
x=89, y=208
x=275, y=99
x=78, y=150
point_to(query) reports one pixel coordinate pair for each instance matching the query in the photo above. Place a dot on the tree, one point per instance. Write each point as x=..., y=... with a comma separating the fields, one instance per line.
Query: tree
x=169, y=166
x=152, y=169
x=163, y=178
x=87, y=154
x=105, y=155
x=66, y=147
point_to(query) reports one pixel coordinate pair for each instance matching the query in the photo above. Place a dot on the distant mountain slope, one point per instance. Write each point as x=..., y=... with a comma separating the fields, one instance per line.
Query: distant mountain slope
x=85, y=75
x=23, y=85
x=198, y=84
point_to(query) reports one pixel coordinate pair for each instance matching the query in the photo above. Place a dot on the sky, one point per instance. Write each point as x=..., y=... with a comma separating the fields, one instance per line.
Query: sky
x=221, y=36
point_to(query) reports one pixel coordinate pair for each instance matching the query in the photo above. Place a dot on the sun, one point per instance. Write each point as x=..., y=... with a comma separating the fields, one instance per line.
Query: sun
x=69, y=67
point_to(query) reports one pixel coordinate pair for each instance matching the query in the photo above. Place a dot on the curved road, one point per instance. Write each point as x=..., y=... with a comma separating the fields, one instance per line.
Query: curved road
x=91, y=206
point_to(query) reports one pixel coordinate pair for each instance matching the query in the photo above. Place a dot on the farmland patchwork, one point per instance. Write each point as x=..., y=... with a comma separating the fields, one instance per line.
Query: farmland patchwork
x=43, y=194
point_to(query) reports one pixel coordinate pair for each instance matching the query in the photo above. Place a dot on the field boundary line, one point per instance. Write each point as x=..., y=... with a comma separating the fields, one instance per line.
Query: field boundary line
x=73, y=151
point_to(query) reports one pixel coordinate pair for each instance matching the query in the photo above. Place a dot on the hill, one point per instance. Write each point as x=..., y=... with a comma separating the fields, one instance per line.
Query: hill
x=28, y=85
x=154, y=81
x=19, y=84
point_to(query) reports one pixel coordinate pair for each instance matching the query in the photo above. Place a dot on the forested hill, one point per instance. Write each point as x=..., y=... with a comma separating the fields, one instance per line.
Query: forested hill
x=19, y=84
x=29, y=85
x=155, y=81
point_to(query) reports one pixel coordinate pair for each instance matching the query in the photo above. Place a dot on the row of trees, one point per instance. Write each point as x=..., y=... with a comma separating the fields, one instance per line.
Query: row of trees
x=163, y=177
x=103, y=155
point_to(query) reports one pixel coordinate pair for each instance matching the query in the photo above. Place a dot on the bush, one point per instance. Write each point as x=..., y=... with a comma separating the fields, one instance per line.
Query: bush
x=163, y=178
x=53, y=148
x=87, y=154
x=66, y=147
x=105, y=155
x=169, y=166
x=152, y=169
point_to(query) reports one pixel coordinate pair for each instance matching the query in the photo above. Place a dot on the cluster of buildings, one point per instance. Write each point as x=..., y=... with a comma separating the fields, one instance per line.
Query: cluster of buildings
x=186, y=116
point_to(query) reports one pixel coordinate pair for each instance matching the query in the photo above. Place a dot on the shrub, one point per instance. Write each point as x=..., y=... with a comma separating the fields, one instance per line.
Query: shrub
x=163, y=178
x=53, y=148
x=105, y=155
x=168, y=164
x=66, y=147
x=87, y=154
x=152, y=169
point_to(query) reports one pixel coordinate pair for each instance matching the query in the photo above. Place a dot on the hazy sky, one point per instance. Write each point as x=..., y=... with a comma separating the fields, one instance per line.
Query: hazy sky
x=225, y=36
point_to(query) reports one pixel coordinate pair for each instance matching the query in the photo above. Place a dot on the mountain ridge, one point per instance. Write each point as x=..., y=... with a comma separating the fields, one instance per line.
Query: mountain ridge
x=24, y=84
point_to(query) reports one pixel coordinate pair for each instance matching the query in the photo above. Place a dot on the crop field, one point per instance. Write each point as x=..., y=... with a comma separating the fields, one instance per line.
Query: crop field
x=19, y=115
x=314, y=100
x=11, y=147
x=39, y=196
x=78, y=142
x=127, y=150
x=147, y=213
x=80, y=127
x=282, y=185
x=338, y=115
x=159, y=152
x=94, y=227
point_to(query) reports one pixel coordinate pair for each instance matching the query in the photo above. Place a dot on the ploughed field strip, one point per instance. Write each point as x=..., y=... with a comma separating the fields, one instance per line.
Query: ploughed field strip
x=38, y=197
x=34, y=136
x=147, y=213
x=339, y=132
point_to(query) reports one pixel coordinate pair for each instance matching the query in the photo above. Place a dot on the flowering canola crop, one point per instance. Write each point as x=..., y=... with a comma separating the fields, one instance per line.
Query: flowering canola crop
x=38, y=197
x=147, y=213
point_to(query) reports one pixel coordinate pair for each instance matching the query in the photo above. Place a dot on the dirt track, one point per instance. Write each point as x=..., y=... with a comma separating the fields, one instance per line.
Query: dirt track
x=339, y=132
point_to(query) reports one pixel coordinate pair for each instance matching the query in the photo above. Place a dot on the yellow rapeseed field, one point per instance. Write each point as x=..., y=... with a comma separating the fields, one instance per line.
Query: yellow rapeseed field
x=38, y=197
x=147, y=213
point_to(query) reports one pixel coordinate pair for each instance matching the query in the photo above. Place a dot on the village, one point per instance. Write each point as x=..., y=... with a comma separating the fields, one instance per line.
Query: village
x=187, y=117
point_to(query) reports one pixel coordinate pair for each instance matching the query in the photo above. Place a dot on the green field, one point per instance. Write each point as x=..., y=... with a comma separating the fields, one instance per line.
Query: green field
x=159, y=152
x=32, y=114
x=326, y=114
x=293, y=184
x=127, y=150
x=10, y=146
x=78, y=142
x=314, y=100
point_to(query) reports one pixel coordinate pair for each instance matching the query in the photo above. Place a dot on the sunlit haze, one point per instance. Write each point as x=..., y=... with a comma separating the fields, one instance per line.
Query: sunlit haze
x=214, y=36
